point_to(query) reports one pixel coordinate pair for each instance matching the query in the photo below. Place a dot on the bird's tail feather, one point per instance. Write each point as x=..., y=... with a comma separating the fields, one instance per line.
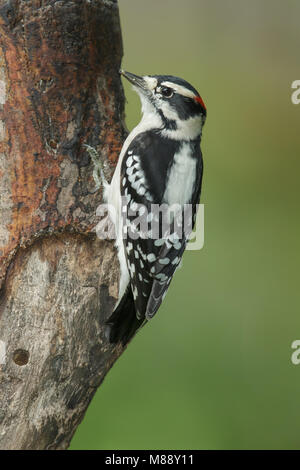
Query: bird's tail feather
x=123, y=323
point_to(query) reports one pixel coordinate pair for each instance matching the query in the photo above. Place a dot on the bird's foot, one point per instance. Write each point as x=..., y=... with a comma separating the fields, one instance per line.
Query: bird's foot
x=98, y=171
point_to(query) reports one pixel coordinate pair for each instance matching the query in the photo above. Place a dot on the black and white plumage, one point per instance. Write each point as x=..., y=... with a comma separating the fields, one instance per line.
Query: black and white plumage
x=160, y=165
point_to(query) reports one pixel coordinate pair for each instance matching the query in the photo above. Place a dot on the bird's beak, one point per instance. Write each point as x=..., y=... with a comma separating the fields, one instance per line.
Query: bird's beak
x=137, y=81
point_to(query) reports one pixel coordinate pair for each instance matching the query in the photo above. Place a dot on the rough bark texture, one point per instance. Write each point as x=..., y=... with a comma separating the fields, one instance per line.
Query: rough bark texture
x=59, y=89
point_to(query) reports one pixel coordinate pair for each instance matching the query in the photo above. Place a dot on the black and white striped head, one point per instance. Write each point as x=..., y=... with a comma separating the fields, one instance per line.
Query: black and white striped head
x=172, y=103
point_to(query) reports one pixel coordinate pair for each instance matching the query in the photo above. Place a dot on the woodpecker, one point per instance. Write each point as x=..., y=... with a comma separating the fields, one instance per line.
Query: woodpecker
x=160, y=164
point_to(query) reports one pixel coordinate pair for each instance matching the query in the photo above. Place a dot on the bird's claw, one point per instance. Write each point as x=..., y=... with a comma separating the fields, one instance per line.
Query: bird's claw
x=98, y=171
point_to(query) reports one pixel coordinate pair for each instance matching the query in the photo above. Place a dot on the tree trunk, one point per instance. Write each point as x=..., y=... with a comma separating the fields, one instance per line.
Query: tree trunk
x=59, y=89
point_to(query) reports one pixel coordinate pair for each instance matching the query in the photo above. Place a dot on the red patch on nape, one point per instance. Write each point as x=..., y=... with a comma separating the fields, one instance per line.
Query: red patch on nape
x=199, y=100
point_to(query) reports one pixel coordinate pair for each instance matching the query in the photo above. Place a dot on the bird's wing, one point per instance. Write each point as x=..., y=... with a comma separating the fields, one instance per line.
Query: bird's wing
x=152, y=256
x=152, y=263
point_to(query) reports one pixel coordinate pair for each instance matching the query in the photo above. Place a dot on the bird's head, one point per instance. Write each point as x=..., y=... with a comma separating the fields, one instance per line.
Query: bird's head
x=174, y=106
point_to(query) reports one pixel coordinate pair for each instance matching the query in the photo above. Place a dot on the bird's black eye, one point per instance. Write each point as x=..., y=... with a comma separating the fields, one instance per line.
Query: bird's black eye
x=166, y=92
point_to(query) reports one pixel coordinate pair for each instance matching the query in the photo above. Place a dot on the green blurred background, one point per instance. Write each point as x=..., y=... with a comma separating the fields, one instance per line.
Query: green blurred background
x=213, y=370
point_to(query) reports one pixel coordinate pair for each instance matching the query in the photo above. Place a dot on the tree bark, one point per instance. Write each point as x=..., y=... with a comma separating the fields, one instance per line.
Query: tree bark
x=59, y=89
